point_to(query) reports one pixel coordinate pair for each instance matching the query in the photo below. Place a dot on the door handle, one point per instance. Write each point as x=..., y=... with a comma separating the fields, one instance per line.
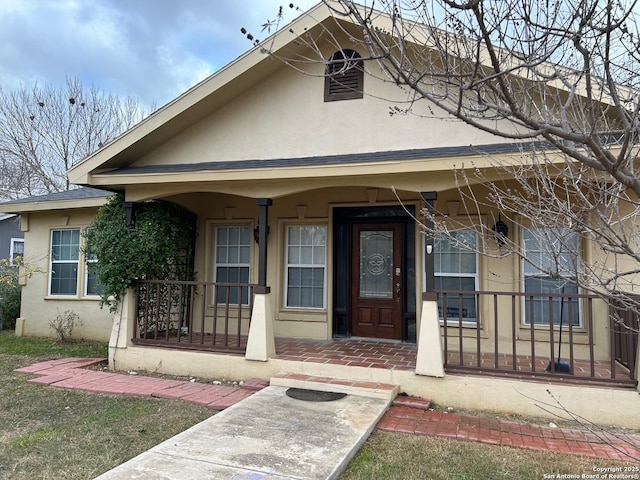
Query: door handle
x=397, y=292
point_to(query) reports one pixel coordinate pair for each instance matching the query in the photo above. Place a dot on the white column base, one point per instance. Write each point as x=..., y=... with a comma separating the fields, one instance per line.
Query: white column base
x=261, y=344
x=122, y=327
x=430, y=358
x=20, y=327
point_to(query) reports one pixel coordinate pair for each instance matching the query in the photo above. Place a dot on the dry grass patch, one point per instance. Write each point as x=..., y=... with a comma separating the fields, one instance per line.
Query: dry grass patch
x=410, y=457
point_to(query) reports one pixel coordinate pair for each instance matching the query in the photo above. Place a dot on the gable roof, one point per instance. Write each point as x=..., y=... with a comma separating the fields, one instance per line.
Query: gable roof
x=75, y=198
x=197, y=102
x=113, y=160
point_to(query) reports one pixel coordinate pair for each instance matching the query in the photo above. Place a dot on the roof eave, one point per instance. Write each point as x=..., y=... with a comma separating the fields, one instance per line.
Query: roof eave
x=26, y=207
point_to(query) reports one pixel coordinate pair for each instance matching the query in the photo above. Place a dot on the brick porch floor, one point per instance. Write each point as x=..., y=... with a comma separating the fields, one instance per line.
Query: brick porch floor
x=402, y=356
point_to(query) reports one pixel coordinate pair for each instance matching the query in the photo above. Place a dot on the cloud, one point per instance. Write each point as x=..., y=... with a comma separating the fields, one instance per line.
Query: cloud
x=150, y=49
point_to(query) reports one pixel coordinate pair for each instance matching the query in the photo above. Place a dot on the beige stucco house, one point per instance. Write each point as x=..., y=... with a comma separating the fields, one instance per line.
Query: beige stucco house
x=53, y=285
x=310, y=256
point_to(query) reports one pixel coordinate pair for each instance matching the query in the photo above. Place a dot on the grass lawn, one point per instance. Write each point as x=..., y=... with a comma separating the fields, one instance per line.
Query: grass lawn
x=411, y=457
x=50, y=433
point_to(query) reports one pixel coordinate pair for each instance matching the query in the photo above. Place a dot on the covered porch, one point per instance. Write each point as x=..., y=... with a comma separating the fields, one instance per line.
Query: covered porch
x=486, y=379
x=164, y=315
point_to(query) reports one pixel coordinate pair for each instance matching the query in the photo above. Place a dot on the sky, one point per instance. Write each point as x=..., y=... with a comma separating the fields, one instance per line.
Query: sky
x=153, y=50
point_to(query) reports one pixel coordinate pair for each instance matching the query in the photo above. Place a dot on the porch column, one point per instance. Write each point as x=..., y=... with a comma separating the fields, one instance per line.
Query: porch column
x=122, y=326
x=429, y=360
x=263, y=232
x=261, y=343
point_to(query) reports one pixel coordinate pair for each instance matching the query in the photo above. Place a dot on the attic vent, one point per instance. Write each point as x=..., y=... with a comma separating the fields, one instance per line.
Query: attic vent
x=344, y=76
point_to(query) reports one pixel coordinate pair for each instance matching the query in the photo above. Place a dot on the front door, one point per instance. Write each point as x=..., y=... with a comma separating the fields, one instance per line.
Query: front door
x=377, y=289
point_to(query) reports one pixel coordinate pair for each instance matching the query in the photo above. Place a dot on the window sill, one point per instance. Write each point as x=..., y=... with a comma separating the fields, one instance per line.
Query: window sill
x=302, y=315
x=62, y=297
x=580, y=336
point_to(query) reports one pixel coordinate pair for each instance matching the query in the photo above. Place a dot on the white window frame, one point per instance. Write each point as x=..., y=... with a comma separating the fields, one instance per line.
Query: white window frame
x=475, y=276
x=12, y=249
x=217, y=264
x=288, y=265
x=525, y=309
x=52, y=262
x=89, y=258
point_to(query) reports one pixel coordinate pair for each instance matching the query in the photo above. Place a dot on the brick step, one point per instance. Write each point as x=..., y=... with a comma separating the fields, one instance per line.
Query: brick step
x=383, y=391
x=412, y=402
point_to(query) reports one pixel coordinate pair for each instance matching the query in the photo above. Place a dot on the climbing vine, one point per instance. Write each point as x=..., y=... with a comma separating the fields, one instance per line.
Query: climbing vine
x=158, y=246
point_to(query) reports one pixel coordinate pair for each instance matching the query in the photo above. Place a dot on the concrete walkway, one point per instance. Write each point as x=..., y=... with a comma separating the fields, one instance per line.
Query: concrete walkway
x=269, y=435
x=266, y=436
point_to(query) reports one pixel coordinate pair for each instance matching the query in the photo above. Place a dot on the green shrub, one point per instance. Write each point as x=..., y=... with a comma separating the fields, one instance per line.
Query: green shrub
x=158, y=246
x=10, y=294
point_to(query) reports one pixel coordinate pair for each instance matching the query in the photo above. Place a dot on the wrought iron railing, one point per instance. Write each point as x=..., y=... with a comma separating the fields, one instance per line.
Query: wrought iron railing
x=193, y=315
x=528, y=335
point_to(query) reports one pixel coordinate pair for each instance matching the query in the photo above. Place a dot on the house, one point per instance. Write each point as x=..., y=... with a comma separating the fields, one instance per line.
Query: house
x=11, y=237
x=64, y=282
x=310, y=257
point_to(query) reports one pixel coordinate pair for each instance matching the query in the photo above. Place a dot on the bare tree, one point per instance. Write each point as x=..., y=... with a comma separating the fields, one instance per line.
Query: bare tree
x=558, y=78
x=45, y=130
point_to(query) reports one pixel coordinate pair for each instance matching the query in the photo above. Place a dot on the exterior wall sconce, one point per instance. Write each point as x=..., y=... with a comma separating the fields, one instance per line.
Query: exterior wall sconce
x=256, y=232
x=500, y=232
x=130, y=214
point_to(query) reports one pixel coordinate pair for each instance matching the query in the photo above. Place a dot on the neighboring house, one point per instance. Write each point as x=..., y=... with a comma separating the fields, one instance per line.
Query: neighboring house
x=11, y=237
x=310, y=257
x=52, y=226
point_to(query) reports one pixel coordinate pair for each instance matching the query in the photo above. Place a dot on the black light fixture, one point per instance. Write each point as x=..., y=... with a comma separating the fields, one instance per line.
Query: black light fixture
x=256, y=232
x=500, y=232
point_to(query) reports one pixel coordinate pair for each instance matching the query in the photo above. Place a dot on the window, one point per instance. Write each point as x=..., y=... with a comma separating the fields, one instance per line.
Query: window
x=16, y=250
x=232, y=262
x=306, y=269
x=344, y=77
x=456, y=268
x=549, y=266
x=65, y=256
x=92, y=285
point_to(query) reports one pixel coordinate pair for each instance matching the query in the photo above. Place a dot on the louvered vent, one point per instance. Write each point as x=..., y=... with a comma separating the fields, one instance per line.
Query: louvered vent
x=344, y=76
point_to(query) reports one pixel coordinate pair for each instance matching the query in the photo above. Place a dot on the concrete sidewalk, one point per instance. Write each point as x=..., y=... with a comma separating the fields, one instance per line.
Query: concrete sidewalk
x=266, y=436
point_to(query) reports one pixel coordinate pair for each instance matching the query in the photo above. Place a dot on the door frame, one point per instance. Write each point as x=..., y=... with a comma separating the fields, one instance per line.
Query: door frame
x=344, y=219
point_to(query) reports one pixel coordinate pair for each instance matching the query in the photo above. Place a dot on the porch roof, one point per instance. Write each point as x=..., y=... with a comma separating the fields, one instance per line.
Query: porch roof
x=349, y=158
x=74, y=198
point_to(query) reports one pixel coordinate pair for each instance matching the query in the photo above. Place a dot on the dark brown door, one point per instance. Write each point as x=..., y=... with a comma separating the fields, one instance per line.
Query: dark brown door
x=377, y=286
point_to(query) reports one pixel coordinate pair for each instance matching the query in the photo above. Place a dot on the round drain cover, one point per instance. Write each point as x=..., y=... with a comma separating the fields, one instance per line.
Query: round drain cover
x=314, y=395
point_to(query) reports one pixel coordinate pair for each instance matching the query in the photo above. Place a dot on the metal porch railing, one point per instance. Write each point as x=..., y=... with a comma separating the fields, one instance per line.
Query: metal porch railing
x=193, y=315
x=520, y=334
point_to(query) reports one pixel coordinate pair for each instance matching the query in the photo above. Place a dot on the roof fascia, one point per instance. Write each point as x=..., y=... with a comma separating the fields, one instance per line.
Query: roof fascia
x=39, y=206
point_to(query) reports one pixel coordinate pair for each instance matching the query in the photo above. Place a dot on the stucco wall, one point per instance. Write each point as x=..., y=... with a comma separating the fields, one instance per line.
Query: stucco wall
x=285, y=116
x=37, y=306
x=309, y=207
x=499, y=273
